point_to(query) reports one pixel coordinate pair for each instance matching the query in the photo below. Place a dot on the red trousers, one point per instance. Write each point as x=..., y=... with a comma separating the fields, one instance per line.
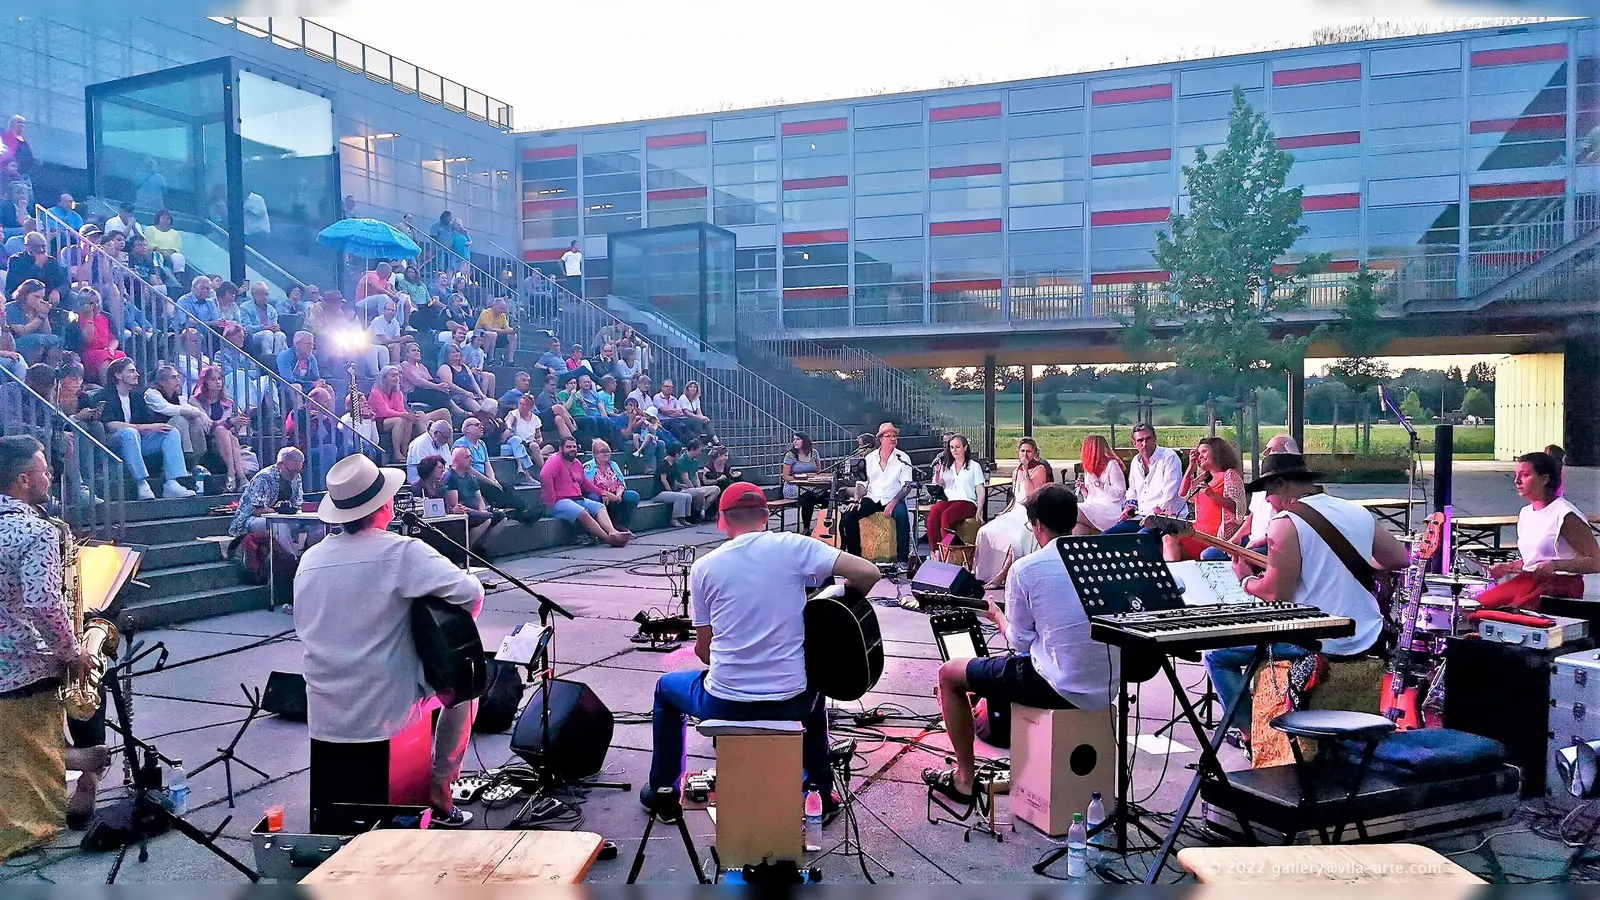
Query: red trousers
x=1523, y=590
x=943, y=515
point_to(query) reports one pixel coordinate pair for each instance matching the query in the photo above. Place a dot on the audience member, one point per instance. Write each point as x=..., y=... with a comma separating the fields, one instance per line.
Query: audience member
x=16, y=212
x=28, y=322
x=590, y=409
x=388, y=403
x=373, y=289
x=645, y=438
x=124, y=221
x=16, y=154
x=641, y=394
x=433, y=442
x=421, y=387
x=550, y=360
x=259, y=318
x=247, y=384
x=225, y=420
x=427, y=478
x=627, y=368
x=228, y=302
x=165, y=397
x=575, y=361
x=147, y=264
x=10, y=358
x=719, y=471
x=521, y=383
x=389, y=337
x=293, y=302
x=411, y=286
x=673, y=417
x=476, y=358
x=497, y=323
x=523, y=436
x=566, y=490
x=136, y=430
x=463, y=385
x=96, y=342
x=572, y=269
x=275, y=485
x=464, y=495
x=611, y=487
x=149, y=188
x=162, y=236
x=689, y=405
x=553, y=412
x=686, y=471
x=35, y=263
x=298, y=364
x=197, y=305
x=65, y=210
x=472, y=432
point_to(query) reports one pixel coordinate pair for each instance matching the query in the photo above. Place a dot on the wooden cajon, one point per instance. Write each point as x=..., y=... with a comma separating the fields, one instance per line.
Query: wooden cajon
x=1350, y=684
x=759, y=803
x=878, y=543
x=1058, y=758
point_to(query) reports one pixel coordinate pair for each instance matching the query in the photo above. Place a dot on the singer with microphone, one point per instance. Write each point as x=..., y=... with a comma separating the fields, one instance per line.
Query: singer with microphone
x=1215, y=488
x=889, y=482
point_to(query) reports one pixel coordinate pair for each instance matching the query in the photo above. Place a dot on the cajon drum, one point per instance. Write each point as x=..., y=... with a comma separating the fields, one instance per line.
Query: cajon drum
x=1058, y=758
x=878, y=542
x=759, y=803
x=1351, y=684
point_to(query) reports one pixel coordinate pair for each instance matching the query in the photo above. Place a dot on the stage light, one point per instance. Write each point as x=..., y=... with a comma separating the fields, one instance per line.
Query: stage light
x=352, y=340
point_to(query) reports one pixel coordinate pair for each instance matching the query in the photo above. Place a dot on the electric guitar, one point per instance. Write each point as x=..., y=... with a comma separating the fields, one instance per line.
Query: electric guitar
x=1398, y=696
x=1183, y=528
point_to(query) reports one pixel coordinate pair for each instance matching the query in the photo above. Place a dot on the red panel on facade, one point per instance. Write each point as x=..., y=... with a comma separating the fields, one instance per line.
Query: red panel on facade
x=962, y=171
x=1319, y=140
x=1335, y=267
x=687, y=139
x=1133, y=94
x=803, y=184
x=969, y=111
x=677, y=194
x=1130, y=156
x=1552, y=122
x=799, y=238
x=1330, y=201
x=1130, y=216
x=543, y=255
x=1126, y=277
x=818, y=293
x=956, y=287
x=1316, y=75
x=566, y=151
x=1513, y=55
x=815, y=126
x=974, y=226
x=1517, y=191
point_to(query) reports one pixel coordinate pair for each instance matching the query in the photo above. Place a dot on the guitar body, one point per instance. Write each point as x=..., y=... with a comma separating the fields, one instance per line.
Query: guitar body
x=827, y=528
x=447, y=642
x=1401, y=703
x=1403, y=706
x=844, y=648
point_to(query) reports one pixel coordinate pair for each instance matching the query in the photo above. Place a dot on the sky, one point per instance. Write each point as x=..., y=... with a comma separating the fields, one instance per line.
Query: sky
x=616, y=60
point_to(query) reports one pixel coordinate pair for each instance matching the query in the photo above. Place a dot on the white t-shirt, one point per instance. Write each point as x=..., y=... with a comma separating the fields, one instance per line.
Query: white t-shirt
x=1260, y=516
x=752, y=592
x=572, y=263
x=963, y=484
x=1539, y=531
x=1326, y=583
x=1049, y=624
x=524, y=429
x=689, y=406
x=383, y=328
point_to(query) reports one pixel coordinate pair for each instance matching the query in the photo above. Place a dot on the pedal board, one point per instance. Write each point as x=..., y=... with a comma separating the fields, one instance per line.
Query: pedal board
x=699, y=790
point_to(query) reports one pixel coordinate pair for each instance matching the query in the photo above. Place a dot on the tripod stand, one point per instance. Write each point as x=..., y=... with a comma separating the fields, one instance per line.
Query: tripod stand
x=148, y=816
x=666, y=807
x=851, y=844
x=226, y=755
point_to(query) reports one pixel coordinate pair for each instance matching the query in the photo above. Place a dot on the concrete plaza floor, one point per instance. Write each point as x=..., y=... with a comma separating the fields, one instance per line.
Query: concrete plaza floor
x=190, y=711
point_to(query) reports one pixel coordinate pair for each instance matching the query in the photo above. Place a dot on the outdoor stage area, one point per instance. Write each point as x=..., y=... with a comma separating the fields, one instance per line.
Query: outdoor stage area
x=190, y=711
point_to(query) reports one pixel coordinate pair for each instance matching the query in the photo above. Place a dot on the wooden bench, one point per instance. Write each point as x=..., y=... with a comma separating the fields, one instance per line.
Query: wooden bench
x=779, y=509
x=473, y=856
x=1480, y=532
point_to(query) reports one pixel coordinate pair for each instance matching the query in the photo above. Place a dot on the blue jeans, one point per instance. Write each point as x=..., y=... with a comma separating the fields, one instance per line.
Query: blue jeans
x=682, y=694
x=621, y=511
x=133, y=447
x=1226, y=668
x=1126, y=526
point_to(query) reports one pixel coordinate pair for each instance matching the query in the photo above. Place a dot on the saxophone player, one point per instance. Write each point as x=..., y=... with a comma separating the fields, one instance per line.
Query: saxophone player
x=39, y=653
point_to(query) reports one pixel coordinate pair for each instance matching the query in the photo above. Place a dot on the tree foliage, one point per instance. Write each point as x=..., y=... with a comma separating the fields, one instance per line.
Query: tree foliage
x=1411, y=407
x=1224, y=285
x=1477, y=403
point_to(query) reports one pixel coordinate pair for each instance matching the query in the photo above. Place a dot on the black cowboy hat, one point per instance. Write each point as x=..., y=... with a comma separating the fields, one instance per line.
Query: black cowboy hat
x=1291, y=466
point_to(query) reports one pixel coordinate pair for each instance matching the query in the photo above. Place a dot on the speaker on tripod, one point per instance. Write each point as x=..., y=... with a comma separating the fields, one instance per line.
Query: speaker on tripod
x=574, y=741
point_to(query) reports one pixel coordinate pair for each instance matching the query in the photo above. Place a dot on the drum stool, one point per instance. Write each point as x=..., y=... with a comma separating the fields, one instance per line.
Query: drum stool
x=1058, y=758
x=759, y=803
x=1327, y=727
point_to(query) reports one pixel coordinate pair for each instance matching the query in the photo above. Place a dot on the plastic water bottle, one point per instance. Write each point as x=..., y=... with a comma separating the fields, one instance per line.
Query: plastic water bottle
x=178, y=788
x=813, y=828
x=1096, y=815
x=1077, y=850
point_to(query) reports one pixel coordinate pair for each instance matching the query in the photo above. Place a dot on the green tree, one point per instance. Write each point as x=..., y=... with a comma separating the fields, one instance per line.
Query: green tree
x=1411, y=407
x=1477, y=403
x=1047, y=407
x=1272, y=405
x=1138, y=337
x=1362, y=335
x=1224, y=285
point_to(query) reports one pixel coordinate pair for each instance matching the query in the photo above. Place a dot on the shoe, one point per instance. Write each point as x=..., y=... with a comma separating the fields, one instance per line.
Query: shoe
x=657, y=805
x=144, y=492
x=679, y=523
x=175, y=491
x=458, y=818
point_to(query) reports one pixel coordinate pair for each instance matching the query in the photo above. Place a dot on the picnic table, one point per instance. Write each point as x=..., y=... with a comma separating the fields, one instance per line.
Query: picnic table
x=1480, y=532
x=1390, y=510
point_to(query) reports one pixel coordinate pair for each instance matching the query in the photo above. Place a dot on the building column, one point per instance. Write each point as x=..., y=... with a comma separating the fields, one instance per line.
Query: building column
x=1580, y=402
x=1296, y=394
x=988, y=406
x=1027, y=401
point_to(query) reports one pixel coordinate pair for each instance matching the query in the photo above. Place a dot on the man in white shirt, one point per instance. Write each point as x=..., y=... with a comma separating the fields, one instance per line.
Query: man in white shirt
x=641, y=393
x=1054, y=663
x=1303, y=568
x=434, y=442
x=389, y=337
x=1155, y=476
x=364, y=685
x=889, y=481
x=572, y=269
x=747, y=606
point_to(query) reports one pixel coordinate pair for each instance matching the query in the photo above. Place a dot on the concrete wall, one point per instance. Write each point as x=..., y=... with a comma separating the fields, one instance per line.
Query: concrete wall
x=1529, y=403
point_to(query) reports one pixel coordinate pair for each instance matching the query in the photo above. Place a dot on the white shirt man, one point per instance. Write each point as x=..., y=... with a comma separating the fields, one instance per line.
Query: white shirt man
x=889, y=478
x=1154, y=476
x=572, y=262
x=387, y=336
x=434, y=442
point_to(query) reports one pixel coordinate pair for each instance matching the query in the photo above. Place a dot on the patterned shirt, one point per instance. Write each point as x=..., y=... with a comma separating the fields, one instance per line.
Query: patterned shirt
x=264, y=490
x=37, y=640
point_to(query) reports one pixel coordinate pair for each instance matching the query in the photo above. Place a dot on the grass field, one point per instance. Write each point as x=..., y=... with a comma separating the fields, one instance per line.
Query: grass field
x=1065, y=441
x=1008, y=406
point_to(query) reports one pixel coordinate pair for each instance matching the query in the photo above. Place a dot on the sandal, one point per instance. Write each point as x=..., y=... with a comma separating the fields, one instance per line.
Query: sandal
x=943, y=782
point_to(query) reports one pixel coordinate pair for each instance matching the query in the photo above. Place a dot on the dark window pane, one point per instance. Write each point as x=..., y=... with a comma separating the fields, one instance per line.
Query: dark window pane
x=966, y=269
x=612, y=203
x=1042, y=124
x=602, y=163
x=816, y=255
x=900, y=138
x=610, y=184
x=964, y=131
x=1124, y=237
x=1405, y=88
x=1302, y=97
x=550, y=168
x=816, y=276
x=1518, y=156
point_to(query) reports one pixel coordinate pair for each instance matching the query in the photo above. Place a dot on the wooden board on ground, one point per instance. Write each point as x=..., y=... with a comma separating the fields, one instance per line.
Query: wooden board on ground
x=1339, y=864
x=462, y=857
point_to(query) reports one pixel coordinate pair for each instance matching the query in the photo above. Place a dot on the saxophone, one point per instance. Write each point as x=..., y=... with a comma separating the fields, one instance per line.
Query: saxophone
x=98, y=637
x=352, y=397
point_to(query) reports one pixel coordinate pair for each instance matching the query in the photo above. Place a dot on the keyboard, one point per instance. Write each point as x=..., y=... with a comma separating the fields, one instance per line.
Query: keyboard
x=1191, y=628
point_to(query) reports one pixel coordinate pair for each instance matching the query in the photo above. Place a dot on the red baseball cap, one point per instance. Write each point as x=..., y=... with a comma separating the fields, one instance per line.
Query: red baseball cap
x=740, y=495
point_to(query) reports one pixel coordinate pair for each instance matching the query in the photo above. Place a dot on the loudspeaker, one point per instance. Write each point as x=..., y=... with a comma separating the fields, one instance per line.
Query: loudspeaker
x=285, y=696
x=497, y=708
x=1502, y=691
x=946, y=578
x=580, y=730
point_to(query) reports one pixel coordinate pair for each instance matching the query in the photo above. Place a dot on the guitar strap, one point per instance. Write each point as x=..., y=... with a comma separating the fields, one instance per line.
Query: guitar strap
x=1338, y=543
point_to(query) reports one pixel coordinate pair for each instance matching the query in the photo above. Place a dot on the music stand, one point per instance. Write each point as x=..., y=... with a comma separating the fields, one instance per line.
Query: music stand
x=227, y=755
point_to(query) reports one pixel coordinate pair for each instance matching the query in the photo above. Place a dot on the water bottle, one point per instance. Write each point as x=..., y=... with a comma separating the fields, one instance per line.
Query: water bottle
x=178, y=788
x=813, y=828
x=1077, y=850
x=1101, y=840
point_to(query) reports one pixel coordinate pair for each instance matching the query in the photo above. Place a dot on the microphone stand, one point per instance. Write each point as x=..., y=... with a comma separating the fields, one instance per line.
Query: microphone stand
x=1413, y=450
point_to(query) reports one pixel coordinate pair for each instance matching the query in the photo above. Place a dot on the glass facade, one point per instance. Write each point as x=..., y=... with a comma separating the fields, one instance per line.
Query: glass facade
x=1443, y=161
x=685, y=273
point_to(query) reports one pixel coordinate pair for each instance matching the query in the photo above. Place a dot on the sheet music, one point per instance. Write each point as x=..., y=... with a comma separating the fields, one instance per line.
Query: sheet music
x=1207, y=583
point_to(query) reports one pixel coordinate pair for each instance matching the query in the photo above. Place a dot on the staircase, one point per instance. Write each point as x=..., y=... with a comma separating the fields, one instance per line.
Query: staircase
x=183, y=575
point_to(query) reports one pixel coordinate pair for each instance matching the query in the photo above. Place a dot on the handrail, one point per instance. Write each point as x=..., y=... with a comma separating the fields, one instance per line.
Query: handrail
x=260, y=261
x=105, y=467
x=237, y=364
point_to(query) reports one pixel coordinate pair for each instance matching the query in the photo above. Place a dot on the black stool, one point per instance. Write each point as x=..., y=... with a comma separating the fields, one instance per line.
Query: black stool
x=1327, y=727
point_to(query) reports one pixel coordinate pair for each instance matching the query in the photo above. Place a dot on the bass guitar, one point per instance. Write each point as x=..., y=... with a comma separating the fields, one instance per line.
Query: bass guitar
x=1183, y=528
x=447, y=642
x=844, y=648
x=1398, y=697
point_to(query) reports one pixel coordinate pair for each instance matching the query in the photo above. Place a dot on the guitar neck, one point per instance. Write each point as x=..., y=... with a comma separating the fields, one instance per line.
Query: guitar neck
x=1250, y=556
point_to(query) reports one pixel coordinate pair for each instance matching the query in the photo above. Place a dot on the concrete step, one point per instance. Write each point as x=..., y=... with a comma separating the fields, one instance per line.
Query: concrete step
x=178, y=553
x=141, y=613
x=150, y=510
x=186, y=579
x=515, y=538
x=168, y=531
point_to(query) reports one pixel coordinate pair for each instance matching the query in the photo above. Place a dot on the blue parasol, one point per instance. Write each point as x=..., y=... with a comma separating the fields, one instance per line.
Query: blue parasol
x=368, y=238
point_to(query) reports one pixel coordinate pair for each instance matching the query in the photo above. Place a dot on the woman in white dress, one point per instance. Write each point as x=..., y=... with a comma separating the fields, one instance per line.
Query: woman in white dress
x=1102, y=488
x=1007, y=538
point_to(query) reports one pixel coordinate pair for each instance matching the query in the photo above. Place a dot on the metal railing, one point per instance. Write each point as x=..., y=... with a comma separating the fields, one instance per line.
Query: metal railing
x=89, y=490
x=319, y=42
x=268, y=410
x=753, y=416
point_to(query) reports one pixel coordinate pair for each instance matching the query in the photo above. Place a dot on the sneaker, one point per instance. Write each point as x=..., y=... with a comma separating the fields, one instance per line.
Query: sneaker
x=458, y=818
x=144, y=492
x=175, y=491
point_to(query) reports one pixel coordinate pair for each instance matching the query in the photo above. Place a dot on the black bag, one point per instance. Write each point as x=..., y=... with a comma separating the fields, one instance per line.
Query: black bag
x=497, y=708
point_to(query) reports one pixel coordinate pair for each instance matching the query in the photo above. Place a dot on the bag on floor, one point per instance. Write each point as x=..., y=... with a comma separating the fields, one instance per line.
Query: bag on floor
x=252, y=558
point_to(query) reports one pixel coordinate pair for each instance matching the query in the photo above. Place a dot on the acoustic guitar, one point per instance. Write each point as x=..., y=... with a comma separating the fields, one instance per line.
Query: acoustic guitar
x=844, y=648
x=447, y=642
x=1183, y=528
